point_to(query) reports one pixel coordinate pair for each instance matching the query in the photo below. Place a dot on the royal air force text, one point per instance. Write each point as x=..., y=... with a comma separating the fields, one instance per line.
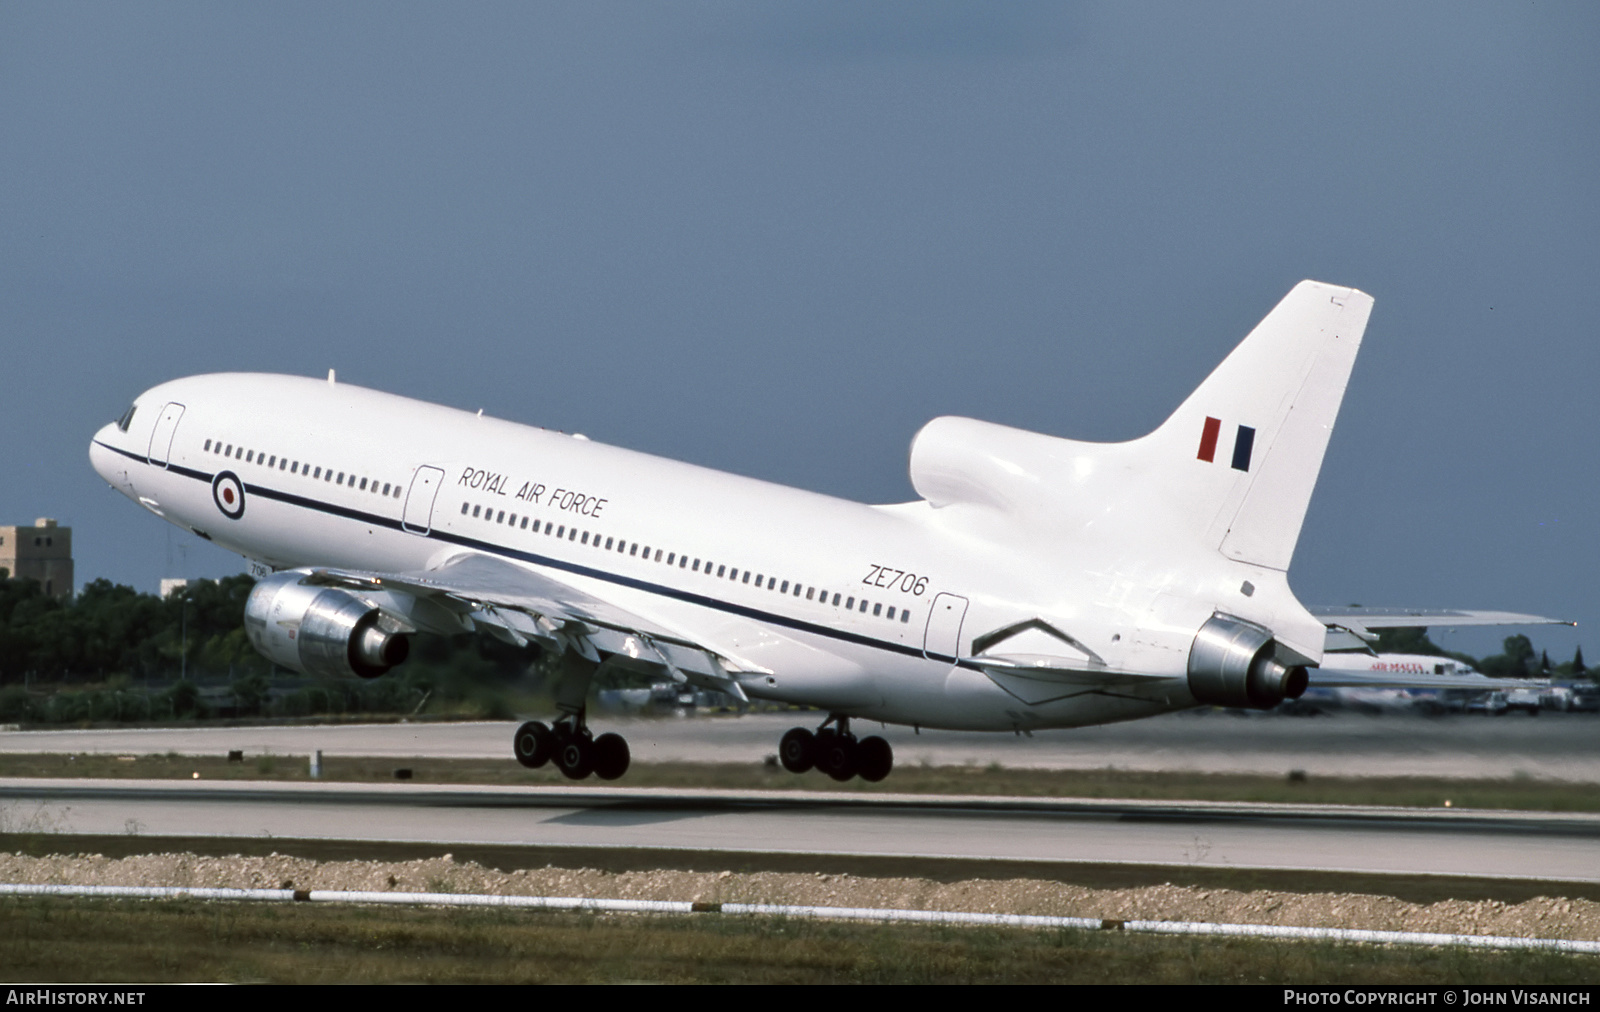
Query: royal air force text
x=569, y=500
x=566, y=500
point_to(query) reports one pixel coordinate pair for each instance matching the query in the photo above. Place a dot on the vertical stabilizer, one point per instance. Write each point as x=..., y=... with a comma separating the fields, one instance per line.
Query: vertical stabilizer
x=1232, y=469
x=1251, y=438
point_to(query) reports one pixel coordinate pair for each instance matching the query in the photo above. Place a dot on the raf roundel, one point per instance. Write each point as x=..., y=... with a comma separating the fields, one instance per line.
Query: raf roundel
x=228, y=493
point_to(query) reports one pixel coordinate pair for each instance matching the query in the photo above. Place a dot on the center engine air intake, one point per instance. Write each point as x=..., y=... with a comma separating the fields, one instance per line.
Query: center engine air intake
x=321, y=630
x=1231, y=664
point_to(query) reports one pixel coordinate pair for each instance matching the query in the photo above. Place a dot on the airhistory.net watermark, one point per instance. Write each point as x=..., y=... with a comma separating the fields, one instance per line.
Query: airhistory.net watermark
x=71, y=996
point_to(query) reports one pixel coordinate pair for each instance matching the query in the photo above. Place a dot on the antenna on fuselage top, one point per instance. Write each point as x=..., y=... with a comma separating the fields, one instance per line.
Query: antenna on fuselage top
x=330, y=377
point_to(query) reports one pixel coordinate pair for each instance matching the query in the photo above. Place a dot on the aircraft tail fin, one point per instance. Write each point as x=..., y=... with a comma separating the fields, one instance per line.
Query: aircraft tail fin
x=1233, y=467
x=1247, y=445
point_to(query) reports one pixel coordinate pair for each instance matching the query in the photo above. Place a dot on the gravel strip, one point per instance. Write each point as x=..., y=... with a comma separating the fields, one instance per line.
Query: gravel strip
x=1541, y=917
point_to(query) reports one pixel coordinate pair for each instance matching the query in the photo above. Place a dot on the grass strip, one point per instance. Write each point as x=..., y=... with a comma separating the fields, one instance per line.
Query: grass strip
x=993, y=780
x=880, y=915
x=104, y=940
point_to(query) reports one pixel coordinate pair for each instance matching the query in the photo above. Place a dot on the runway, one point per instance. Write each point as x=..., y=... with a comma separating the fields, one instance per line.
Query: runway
x=1189, y=834
x=1551, y=746
x=1554, y=746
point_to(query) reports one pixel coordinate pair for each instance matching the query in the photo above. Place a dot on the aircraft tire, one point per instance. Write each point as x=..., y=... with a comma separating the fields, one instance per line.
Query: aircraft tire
x=533, y=744
x=575, y=757
x=836, y=756
x=797, y=750
x=874, y=759
x=610, y=756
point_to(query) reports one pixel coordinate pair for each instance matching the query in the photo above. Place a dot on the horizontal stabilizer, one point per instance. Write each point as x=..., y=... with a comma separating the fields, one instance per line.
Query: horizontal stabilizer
x=1358, y=618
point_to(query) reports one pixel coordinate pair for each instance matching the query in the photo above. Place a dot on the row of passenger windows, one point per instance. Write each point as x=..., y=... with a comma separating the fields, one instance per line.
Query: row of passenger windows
x=565, y=533
x=295, y=467
x=562, y=532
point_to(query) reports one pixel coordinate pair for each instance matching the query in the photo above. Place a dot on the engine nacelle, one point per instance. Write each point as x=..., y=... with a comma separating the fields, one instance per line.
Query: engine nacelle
x=1231, y=664
x=321, y=630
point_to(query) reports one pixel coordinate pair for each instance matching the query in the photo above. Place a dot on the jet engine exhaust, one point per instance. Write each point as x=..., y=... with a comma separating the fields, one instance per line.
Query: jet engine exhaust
x=1231, y=664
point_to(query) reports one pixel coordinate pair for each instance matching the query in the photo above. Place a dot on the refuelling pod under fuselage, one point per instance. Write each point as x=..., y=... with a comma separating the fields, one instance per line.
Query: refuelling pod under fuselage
x=321, y=630
x=1233, y=663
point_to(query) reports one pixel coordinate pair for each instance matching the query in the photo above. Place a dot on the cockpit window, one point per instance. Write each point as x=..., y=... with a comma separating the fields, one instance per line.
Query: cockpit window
x=127, y=418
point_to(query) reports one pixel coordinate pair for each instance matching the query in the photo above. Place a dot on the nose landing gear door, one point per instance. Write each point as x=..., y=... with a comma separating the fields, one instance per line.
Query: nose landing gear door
x=161, y=436
x=425, y=484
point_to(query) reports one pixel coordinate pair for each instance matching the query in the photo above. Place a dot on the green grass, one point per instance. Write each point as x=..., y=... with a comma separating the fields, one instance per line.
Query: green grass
x=92, y=941
x=993, y=780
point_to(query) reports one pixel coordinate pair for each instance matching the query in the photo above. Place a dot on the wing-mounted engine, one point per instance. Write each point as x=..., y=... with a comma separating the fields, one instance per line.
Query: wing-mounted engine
x=1233, y=663
x=320, y=630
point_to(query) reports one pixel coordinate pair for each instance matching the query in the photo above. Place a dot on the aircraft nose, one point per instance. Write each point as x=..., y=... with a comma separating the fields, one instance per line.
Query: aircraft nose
x=108, y=463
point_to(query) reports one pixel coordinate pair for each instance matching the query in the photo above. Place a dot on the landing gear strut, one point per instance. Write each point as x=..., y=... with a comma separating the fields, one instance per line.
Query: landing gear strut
x=572, y=747
x=836, y=752
x=570, y=744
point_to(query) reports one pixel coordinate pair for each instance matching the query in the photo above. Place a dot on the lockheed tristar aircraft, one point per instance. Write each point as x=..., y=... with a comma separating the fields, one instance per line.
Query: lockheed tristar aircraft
x=1038, y=582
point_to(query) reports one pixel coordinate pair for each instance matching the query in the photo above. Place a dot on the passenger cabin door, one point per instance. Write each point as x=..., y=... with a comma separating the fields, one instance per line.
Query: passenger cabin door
x=161, y=436
x=942, y=639
x=425, y=484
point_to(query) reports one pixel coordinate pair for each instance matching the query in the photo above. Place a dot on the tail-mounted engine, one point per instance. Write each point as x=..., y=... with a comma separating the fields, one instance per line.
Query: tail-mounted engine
x=1232, y=663
x=322, y=630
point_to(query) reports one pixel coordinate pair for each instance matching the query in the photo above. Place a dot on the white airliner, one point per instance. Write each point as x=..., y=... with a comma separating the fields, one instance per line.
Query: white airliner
x=1038, y=583
x=1363, y=681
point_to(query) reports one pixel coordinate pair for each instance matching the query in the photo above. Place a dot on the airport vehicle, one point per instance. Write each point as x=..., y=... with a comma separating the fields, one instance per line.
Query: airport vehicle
x=1524, y=700
x=1039, y=582
x=1556, y=697
x=1490, y=704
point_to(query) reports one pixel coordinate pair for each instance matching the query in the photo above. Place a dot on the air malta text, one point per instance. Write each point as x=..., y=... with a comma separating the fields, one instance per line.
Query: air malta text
x=565, y=500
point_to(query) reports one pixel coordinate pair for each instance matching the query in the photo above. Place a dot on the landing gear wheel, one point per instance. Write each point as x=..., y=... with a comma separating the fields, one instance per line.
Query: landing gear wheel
x=836, y=755
x=798, y=749
x=575, y=757
x=533, y=744
x=874, y=759
x=610, y=756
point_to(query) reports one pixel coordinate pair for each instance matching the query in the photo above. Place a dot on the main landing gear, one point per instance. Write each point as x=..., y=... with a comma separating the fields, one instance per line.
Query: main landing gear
x=574, y=750
x=836, y=752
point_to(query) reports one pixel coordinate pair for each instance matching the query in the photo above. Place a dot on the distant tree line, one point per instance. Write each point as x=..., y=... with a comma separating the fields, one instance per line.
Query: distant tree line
x=1517, y=658
x=110, y=630
x=114, y=654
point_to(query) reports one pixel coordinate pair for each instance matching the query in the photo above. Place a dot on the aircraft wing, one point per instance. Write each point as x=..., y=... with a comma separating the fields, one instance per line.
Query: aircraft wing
x=520, y=604
x=1351, y=627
